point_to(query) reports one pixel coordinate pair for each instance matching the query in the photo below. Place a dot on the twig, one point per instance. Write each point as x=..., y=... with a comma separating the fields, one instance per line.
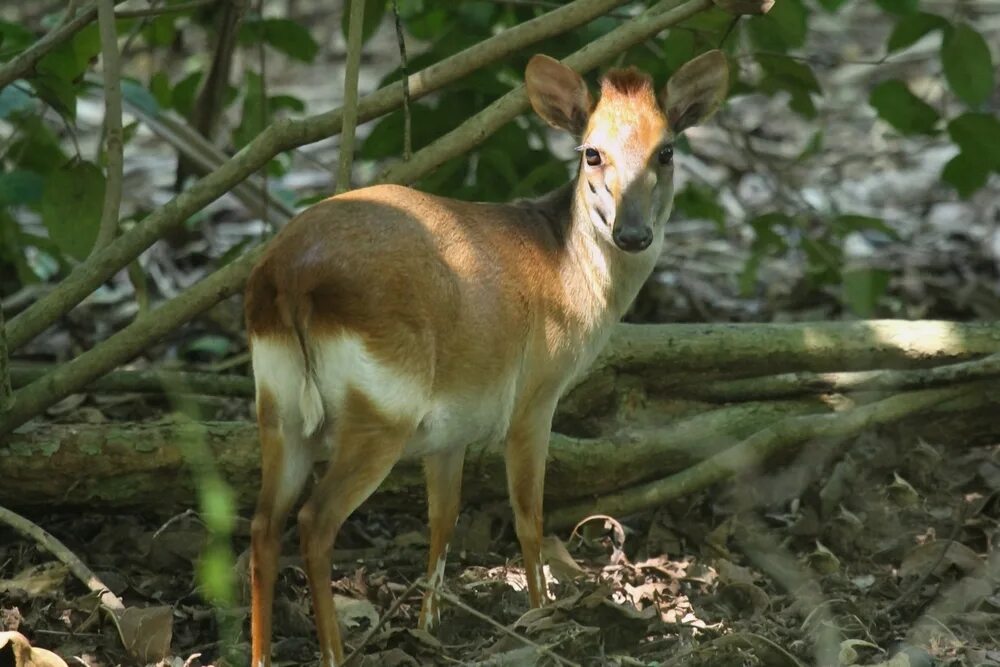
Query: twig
x=919, y=582
x=759, y=447
x=24, y=62
x=112, y=124
x=280, y=136
x=404, y=76
x=452, y=600
x=148, y=382
x=551, y=3
x=6, y=398
x=67, y=557
x=210, y=101
x=390, y=612
x=793, y=384
x=354, y=43
x=178, y=8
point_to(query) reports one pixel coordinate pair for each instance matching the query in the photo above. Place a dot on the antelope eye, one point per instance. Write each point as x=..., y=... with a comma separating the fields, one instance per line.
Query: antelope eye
x=666, y=154
x=592, y=156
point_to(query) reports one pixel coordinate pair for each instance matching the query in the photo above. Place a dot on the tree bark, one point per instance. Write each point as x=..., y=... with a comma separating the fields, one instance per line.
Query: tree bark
x=631, y=432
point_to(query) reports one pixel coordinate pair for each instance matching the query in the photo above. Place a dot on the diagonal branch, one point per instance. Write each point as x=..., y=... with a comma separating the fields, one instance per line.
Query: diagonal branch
x=762, y=445
x=112, y=123
x=354, y=44
x=24, y=62
x=281, y=136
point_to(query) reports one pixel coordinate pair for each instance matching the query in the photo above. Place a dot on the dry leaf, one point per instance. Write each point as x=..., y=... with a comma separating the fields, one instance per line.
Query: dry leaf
x=559, y=560
x=17, y=645
x=145, y=631
x=939, y=555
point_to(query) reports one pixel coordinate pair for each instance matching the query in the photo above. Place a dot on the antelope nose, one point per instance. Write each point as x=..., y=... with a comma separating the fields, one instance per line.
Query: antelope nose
x=633, y=238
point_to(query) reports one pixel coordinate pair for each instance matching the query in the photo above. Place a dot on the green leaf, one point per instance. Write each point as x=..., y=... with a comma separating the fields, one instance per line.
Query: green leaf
x=824, y=260
x=863, y=288
x=184, y=93
x=20, y=188
x=968, y=66
x=831, y=5
x=912, y=27
x=160, y=31
x=286, y=102
x=135, y=93
x=899, y=7
x=782, y=28
x=86, y=46
x=846, y=223
x=374, y=11
x=159, y=86
x=254, y=117
x=966, y=172
x=58, y=93
x=14, y=99
x=284, y=35
x=71, y=207
x=35, y=148
x=14, y=38
x=902, y=109
x=696, y=201
x=978, y=133
x=678, y=48
x=792, y=76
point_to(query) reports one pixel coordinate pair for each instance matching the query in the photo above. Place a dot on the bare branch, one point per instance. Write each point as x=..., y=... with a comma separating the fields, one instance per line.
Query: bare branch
x=47, y=541
x=112, y=123
x=760, y=446
x=6, y=398
x=404, y=75
x=354, y=43
x=178, y=8
x=148, y=382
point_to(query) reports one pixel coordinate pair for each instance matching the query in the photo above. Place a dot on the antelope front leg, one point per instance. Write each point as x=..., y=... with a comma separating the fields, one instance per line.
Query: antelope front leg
x=527, y=446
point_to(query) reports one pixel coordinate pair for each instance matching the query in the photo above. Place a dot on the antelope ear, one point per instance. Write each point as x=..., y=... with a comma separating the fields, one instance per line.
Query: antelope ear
x=696, y=91
x=558, y=94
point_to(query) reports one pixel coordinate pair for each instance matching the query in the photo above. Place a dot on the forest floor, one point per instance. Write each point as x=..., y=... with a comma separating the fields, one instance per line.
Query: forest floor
x=853, y=562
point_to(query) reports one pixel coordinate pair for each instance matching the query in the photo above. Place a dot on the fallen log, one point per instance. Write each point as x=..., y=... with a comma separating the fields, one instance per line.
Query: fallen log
x=634, y=422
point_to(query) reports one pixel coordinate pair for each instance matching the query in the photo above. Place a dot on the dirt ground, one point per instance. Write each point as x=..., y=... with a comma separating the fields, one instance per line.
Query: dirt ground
x=884, y=554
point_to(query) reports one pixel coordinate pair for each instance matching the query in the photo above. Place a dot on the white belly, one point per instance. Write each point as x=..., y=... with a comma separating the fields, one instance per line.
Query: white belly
x=462, y=420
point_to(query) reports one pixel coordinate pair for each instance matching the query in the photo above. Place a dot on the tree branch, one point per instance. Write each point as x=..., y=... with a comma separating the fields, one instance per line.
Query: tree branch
x=764, y=444
x=281, y=136
x=211, y=97
x=787, y=385
x=404, y=77
x=24, y=62
x=148, y=382
x=6, y=398
x=356, y=25
x=177, y=8
x=112, y=123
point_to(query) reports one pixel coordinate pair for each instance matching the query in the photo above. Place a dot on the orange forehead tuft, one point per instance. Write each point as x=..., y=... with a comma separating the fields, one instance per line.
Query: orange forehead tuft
x=629, y=83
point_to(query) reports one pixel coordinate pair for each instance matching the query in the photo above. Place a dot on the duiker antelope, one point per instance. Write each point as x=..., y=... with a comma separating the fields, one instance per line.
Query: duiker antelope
x=386, y=322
